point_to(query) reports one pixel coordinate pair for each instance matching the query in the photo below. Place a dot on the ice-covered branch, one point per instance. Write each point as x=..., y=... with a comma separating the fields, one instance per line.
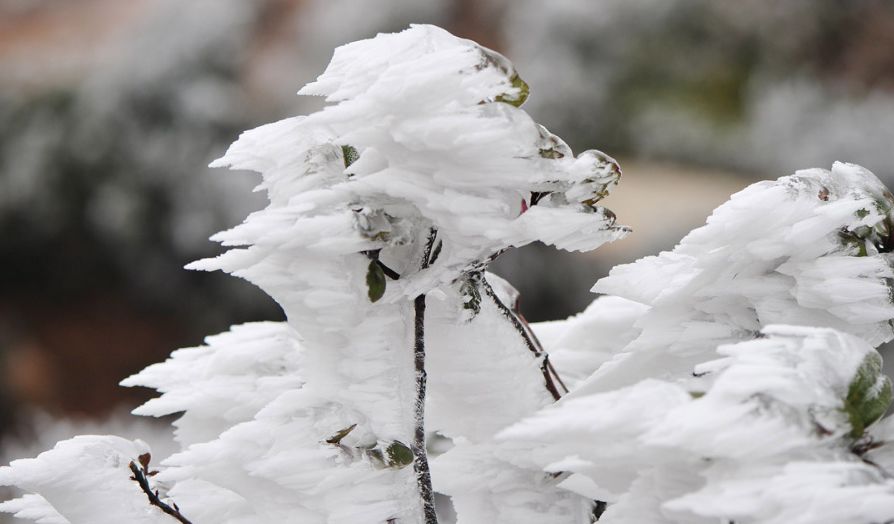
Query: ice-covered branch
x=84, y=479
x=141, y=476
x=550, y=378
x=420, y=456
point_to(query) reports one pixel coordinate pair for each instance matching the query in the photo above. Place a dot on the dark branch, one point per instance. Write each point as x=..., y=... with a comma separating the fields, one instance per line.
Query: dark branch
x=427, y=258
x=550, y=377
x=536, y=196
x=141, y=476
x=374, y=256
x=420, y=458
x=390, y=273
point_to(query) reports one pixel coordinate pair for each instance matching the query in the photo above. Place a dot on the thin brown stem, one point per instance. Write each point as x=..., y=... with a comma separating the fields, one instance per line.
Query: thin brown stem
x=550, y=376
x=141, y=476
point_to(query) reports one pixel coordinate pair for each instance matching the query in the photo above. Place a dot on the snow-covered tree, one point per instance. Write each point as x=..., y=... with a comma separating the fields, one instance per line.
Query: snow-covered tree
x=734, y=378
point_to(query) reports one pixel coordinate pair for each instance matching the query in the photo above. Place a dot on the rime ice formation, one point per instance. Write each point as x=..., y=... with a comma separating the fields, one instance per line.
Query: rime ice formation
x=700, y=407
x=770, y=432
x=808, y=249
x=733, y=379
x=419, y=171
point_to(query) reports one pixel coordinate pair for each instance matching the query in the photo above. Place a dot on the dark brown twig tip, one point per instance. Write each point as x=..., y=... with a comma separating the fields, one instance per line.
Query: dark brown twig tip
x=140, y=475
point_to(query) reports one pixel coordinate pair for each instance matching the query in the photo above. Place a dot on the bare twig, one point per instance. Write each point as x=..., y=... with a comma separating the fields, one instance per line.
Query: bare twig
x=141, y=475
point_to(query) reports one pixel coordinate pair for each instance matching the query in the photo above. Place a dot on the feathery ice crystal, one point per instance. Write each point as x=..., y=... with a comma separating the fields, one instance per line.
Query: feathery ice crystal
x=420, y=171
x=733, y=379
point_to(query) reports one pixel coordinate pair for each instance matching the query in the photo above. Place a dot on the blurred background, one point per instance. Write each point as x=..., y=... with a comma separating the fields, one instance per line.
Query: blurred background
x=110, y=111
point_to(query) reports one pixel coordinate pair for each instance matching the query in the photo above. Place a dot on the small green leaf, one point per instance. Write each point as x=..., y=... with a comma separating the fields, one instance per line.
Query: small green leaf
x=340, y=434
x=868, y=395
x=399, y=455
x=350, y=155
x=519, y=98
x=375, y=281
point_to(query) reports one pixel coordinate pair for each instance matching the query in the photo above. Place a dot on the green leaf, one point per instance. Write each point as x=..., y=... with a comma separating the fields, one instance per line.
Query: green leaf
x=350, y=155
x=868, y=396
x=518, y=98
x=399, y=455
x=375, y=281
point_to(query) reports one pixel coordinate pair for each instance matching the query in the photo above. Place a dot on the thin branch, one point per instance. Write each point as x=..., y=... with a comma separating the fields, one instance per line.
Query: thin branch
x=550, y=377
x=427, y=258
x=390, y=273
x=420, y=462
x=533, y=336
x=140, y=475
x=374, y=256
x=420, y=458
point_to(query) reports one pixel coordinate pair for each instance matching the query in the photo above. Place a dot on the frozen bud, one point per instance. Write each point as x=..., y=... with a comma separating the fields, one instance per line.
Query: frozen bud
x=594, y=172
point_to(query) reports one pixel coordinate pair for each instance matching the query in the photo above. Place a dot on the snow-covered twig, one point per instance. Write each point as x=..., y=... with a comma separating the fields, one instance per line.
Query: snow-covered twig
x=141, y=476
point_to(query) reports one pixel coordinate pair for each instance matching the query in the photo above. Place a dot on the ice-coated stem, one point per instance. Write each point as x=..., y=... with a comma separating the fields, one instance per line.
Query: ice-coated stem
x=420, y=457
x=550, y=376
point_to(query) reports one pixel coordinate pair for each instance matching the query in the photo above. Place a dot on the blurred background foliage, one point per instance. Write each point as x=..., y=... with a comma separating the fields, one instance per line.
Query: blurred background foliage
x=110, y=111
